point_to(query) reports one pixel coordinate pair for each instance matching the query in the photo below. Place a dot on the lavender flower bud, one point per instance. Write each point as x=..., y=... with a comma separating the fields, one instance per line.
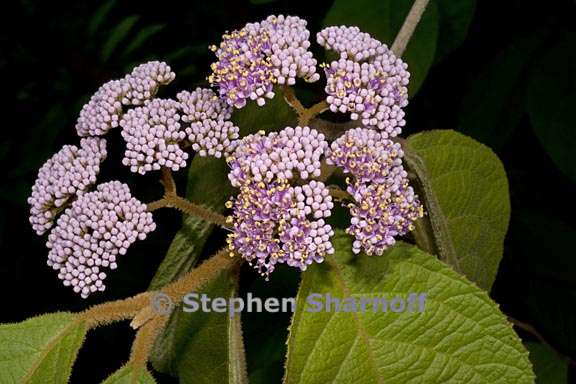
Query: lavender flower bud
x=67, y=174
x=213, y=137
x=103, y=111
x=350, y=43
x=373, y=92
x=90, y=235
x=202, y=104
x=381, y=213
x=152, y=134
x=367, y=156
x=277, y=156
x=144, y=81
x=253, y=59
x=275, y=223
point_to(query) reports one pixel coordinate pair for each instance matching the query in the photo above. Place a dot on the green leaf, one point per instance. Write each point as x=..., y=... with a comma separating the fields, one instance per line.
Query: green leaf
x=99, y=16
x=548, y=366
x=465, y=191
x=551, y=100
x=457, y=336
x=494, y=105
x=383, y=19
x=143, y=35
x=129, y=374
x=41, y=349
x=119, y=33
x=454, y=20
x=205, y=347
x=275, y=115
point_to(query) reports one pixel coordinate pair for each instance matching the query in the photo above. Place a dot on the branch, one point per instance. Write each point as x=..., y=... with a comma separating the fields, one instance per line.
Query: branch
x=190, y=208
x=292, y=100
x=168, y=182
x=144, y=341
x=531, y=330
x=407, y=29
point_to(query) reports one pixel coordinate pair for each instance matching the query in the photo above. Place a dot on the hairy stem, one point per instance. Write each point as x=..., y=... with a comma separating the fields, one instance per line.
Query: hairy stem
x=144, y=341
x=155, y=205
x=112, y=311
x=188, y=207
x=407, y=29
x=168, y=181
x=292, y=100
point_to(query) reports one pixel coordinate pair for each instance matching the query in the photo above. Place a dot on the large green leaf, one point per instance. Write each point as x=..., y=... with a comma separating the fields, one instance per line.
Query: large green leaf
x=454, y=19
x=129, y=374
x=205, y=347
x=548, y=366
x=458, y=335
x=494, y=104
x=383, y=19
x=465, y=190
x=41, y=349
x=551, y=100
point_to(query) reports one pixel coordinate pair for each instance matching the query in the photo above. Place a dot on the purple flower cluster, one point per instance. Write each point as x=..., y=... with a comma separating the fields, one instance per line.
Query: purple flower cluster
x=350, y=43
x=385, y=205
x=209, y=131
x=272, y=221
x=380, y=214
x=251, y=60
x=104, y=109
x=289, y=41
x=152, y=134
x=64, y=176
x=277, y=155
x=368, y=81
x=367, y=156
x=90, y=235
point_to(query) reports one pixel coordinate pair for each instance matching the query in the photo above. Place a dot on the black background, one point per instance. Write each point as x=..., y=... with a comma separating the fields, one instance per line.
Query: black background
x=50, y=63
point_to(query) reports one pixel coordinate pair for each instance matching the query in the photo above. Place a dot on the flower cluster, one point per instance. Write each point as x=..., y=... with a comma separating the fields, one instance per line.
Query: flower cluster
x=368, y=81
x=277, y=156
x=209, y=131
x=367, y=156
x=385, y=205
x=350, y=43
x=104, y=109
x=272, y=221
x=152, y=134
x=251, y=60
x=90, y=235
x=64, y=176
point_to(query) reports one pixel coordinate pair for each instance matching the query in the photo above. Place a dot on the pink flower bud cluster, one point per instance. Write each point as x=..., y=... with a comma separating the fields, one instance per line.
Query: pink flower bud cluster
x=66, y=175
x=152, y=134
x=273, y=222
x=289, y=41
x=104, y=109
x=278, y=156
x=381, y=213
x=350, y=43
x=367, y=81
x=367, y=156
x=144, y=81
x=90, y=235
x=209, y=131
x=251, y=60
x=385, y=206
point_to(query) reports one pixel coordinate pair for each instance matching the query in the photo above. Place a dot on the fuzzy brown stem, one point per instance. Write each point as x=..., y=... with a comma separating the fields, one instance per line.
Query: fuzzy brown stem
x=112, y=311
x=155, y=205
x=168, y=181
x=190, y=208
x=144, y=341
x=292, y=100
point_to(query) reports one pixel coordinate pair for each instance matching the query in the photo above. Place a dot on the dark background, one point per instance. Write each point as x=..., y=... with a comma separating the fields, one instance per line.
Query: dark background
x=511, y=85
